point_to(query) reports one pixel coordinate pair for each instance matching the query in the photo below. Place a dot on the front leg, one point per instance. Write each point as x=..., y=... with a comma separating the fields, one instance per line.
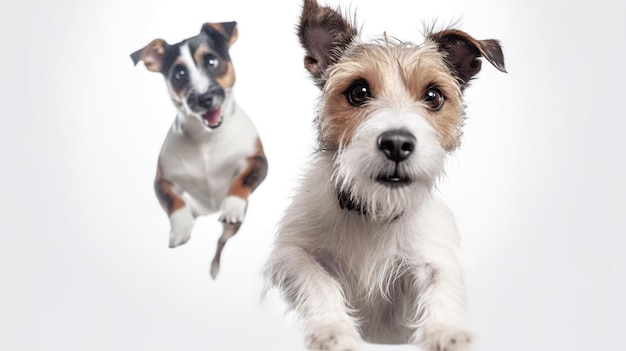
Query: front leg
x=316, y=297
x=440, y=308
x=233, y=207
x=179, y=213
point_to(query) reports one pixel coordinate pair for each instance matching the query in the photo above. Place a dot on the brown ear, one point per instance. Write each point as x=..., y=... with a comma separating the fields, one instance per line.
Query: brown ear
x=324, y=34
x=462, y=53
x=227, y=29
x=151, y=55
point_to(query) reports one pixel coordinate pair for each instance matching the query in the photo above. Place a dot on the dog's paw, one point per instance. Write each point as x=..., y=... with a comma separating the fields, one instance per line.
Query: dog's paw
x=447, y=339
x=181, y=224
x=233, y=210
x=334, y=337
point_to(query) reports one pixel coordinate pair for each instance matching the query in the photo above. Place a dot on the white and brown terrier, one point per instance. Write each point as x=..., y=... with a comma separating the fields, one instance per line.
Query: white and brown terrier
x=366, y=251
x=212, y=158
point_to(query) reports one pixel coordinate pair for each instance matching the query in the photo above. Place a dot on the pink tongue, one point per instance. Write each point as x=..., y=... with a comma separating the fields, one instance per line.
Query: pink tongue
x=212, y=118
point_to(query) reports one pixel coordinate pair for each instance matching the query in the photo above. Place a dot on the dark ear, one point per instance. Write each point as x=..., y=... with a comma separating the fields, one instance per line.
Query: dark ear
x=151, y=55
x=227, y=29
x=462, y=53
x=324, y=34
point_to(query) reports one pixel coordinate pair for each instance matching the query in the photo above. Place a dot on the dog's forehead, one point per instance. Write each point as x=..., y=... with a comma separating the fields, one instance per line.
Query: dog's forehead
x=212, y=41
x=201, y=41
x=383, y=62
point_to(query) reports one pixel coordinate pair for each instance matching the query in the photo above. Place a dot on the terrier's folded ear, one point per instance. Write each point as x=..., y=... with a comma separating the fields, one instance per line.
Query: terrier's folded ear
x=462, y=53
x=151, y=55
x=227, y=30
x=324, y=33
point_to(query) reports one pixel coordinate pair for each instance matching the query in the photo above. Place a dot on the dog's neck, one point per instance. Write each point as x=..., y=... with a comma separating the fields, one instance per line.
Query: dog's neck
x=346, y=203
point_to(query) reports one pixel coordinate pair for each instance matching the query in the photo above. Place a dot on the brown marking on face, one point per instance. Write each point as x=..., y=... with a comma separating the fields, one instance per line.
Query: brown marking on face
x=198, y=55
x=391, y=70
x=246, y=181
x=164, y=190
x=223, y=74
x=425, y=68
x=340, y=120
x=227, y=78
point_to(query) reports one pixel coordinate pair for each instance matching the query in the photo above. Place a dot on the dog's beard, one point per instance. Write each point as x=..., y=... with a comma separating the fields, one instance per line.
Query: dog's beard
x=358, y=188
x=360, y=170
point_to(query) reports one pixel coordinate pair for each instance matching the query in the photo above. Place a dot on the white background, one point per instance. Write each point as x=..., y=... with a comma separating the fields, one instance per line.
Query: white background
x=537, y=186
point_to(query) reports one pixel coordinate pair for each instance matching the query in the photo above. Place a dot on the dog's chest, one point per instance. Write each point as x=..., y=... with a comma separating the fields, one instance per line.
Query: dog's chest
x=204, y=169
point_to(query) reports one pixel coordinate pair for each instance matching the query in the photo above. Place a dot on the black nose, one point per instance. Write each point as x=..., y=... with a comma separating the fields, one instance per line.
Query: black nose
x=397, y=145
x=205, y=100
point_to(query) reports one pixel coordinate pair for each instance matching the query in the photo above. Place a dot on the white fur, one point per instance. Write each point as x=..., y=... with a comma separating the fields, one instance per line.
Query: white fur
x=181, y=224
x=201, y=162
x=233, y=209
x=198, y=79
x=389, y=276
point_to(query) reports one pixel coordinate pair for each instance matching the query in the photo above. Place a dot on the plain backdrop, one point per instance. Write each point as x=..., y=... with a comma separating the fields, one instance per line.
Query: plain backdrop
x=537, y=185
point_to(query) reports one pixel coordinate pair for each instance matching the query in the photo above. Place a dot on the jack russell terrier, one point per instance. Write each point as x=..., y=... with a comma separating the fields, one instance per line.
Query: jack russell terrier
x=212, y=158
x=366, y=251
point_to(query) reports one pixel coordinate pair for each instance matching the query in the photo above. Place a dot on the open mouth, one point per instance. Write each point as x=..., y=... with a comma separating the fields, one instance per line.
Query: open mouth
x=212, y=119
x=393, y=180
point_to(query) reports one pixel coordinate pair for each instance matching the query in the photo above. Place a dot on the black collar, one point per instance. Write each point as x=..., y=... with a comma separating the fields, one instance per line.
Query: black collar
x=346, y=203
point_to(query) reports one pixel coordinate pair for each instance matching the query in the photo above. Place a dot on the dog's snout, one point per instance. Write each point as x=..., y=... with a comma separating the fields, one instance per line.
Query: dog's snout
x=208, y=100
x=205, y=100
x=397, y=145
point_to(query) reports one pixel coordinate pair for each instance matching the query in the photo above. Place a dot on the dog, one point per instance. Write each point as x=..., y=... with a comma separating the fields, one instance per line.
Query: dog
x=212, y=158
x=366, y=251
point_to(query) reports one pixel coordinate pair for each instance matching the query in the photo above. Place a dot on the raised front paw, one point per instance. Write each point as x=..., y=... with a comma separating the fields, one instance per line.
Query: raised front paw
x=181, y=224
x=233, y=210
x=334, y=337
x=447, y=339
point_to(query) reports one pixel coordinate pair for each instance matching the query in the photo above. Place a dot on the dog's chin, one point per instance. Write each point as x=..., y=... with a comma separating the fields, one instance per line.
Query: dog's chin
x=212, y=119
x=381, y=199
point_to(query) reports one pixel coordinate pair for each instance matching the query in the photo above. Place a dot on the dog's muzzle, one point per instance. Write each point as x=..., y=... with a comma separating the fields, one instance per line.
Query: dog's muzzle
x=208, y=105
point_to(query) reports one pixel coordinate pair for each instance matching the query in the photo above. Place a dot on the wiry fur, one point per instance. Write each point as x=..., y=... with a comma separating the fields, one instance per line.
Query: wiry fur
x=359, y=257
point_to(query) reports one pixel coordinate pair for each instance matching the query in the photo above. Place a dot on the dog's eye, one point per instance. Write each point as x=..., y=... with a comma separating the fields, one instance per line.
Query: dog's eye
x=211, y=60
x=434, y=98
x=180, y=76
x=358, y=93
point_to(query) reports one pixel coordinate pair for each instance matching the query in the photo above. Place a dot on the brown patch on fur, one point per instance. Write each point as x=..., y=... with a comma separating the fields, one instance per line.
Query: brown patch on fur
x=339, y=119
x=168, y=199
x=392, y=71
x=151, y=55
x=224, y=73
x=198, y=55
x=425, y=68
x=249, y=179
x=227, y=79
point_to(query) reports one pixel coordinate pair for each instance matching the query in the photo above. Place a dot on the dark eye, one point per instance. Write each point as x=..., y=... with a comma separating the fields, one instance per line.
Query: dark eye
x=433, y=98
x=358, y=93
x=180, y=75
x=211, y=60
